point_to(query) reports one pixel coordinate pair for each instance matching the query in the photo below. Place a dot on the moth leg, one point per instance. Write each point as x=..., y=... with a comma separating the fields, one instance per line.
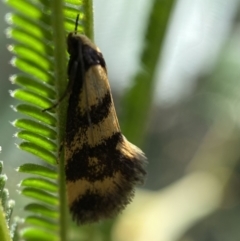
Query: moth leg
x=60, y=151
x=67, y=92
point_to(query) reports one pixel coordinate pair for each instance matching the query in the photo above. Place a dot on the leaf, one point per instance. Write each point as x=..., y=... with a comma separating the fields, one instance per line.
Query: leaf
x=37, y=139
x=39, y=151
x=40, y=183
x=35, y=86
x=41, y=222
x=35, y=127
x=42, y=210
x=38, y=234
x=36, y=113
x=137, y=101
x=40, y=195
x=38, y=170
x=31, y=98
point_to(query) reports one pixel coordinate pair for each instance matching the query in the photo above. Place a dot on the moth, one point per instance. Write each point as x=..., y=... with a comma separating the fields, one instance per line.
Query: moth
x=102, y=167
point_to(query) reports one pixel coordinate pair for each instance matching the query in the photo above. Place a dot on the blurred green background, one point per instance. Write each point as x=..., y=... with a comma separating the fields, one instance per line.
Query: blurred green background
x=192, y=137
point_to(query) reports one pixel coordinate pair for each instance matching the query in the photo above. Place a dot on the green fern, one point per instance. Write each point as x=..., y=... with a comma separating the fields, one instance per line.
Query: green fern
x=37, y=26
x=136, y=112
x=7, y=228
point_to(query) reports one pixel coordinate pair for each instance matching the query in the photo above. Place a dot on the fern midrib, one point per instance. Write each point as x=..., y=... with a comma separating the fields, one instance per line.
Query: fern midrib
x=59, y=41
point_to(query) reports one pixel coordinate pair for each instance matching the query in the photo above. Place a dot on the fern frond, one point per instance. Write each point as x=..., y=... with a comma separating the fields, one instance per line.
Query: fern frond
x=31, y=30
x=136, y=112
x=37, y=28
x=7, y=230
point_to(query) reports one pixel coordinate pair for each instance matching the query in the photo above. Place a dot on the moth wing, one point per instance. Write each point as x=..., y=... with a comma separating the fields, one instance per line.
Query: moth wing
x=102, y=167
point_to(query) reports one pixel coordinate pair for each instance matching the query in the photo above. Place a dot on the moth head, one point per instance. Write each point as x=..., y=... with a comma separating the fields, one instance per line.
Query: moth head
x=72, y=43
x=75, y=40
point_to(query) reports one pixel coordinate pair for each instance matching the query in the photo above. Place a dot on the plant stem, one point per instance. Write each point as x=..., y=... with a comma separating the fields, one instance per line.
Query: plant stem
x=59, y=41
x=4, y=232
x=88, y=23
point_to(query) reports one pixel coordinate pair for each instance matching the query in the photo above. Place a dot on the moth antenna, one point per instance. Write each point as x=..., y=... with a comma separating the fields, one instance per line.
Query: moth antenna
x=76, y=23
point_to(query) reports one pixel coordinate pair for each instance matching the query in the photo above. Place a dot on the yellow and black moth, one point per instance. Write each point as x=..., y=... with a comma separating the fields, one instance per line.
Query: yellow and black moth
x=101, y=166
